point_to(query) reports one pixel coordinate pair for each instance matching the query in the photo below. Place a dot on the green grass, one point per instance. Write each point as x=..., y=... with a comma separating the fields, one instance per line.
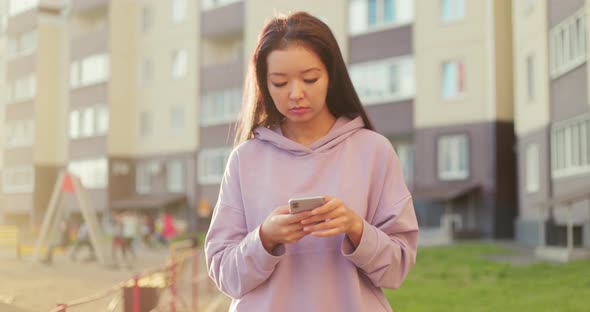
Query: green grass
x=459, y=278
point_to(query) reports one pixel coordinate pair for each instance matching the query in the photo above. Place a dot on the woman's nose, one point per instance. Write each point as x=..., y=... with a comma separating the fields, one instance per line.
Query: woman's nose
x=296, y=91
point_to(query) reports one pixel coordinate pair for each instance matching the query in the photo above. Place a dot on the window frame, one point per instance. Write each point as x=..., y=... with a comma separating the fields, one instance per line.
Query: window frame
x=452, y=142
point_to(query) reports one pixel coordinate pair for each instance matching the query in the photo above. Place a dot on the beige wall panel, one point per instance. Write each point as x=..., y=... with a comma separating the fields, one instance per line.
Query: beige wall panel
x=437, y=42
x=50, y=104
x=122, y=19
x=503, y=60
x=165, y=92
x=431, y=108
x=530, y=37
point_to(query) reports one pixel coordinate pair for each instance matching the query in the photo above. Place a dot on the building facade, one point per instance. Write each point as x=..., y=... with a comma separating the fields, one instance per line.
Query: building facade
x=34, y=123
x=552, y=118
x=486, y=105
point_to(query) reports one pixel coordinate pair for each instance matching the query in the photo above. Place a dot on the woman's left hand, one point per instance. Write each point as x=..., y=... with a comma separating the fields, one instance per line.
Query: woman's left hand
x=334, y=218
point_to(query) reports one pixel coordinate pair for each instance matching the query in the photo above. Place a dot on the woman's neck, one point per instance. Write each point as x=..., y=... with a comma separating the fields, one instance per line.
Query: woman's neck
x=309, y=132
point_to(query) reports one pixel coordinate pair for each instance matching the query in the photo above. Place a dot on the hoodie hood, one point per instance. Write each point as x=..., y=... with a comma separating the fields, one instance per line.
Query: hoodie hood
x=342, y=129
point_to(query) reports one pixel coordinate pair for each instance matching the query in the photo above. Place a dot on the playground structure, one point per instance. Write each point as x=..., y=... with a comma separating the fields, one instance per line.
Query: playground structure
x=69, y=183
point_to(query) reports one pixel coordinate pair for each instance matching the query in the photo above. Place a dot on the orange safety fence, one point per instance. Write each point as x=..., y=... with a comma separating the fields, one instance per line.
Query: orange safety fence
x=175, y=287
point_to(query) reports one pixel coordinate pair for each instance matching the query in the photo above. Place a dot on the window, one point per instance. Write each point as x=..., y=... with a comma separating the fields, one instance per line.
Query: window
x=143, y=179
x=12, y=45
x=384, y=80
x=175, y=177
x=19, y=6
x=28, y=42
x=19, y=133
x=90, y=70
x=23, y=89
x=145, y=124
x=532, y=168
x=530, y=77
x=212, y=164
x=570, y=146
x=93, y=172
x=212, y=4
x=147, y=18
x=367, y=15
x=74, y=124
x=22, y=44
x=102, y=120
x=120, y=168
x=18, y=179
x=453, y=157
x=452, y=10
x=220, y=107
x=178, y=10
x=567, y=42
x=88, y=122
x=405, y=153
x=95, y=69
x=147, y=72
x=177, y=122
x=179, y=63
x=453, y=79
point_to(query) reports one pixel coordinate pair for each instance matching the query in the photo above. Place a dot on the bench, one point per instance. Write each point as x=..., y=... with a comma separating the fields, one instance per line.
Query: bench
x=10, y=238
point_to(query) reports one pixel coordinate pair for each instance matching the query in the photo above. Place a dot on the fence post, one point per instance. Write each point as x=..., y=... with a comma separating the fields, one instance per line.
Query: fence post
x=135, y=300
x=195, y=280
x=62, y=307
x=173, y=286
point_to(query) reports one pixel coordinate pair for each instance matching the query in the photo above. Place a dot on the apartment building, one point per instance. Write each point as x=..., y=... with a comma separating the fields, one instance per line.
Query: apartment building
x=132, y=135
x=149, y=93
x=552, y=120
x=158, y=173
x=33, y=106
x=463, y=116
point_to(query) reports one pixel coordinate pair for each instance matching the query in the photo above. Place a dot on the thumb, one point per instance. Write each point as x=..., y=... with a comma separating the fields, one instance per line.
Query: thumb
x=282, y=210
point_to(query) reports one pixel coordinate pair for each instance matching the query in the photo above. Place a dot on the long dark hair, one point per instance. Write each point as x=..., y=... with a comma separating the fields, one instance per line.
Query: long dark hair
x=310, y=32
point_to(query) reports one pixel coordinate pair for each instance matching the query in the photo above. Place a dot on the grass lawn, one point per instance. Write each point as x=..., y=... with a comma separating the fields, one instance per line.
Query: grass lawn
x=458, y=278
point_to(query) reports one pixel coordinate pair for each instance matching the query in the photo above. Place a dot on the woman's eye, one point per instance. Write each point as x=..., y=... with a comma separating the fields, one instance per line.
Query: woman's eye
x=310, y=80
x=279, y=84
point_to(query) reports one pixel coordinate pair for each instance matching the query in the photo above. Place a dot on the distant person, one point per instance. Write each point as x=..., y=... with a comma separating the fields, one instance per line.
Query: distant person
x=148, y=230
x=168, y=228
x=118, y=248
x=82, y=240
x=130, y=232
x=303, y=132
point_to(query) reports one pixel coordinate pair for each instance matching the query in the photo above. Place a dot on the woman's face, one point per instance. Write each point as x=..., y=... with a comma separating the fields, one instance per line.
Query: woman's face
x=297, y=81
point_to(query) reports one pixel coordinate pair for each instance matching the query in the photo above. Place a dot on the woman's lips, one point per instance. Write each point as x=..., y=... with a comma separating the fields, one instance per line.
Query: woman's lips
x=299, y=110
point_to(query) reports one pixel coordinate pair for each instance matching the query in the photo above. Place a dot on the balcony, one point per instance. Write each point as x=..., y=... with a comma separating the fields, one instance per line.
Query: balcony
x=223, y=21
x=88, y=6
x=222, y=76
x=90, y=43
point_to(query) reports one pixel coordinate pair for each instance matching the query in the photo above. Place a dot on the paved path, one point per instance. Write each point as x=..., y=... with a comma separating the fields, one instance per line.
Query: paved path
x=38, y=287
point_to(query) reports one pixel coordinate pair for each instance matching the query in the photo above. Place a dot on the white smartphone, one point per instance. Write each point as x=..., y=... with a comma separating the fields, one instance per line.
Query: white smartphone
x=297, y=205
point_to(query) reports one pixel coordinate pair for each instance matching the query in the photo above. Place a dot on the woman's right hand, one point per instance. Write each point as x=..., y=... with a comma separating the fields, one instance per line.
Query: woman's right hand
x=281, y=227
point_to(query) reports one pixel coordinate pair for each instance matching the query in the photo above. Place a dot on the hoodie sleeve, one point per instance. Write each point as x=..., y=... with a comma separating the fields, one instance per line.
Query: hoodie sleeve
x=387, y=249
x=236, y=259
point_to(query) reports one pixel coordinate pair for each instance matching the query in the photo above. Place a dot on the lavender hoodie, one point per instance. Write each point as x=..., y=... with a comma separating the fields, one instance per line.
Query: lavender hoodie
x=358, y=166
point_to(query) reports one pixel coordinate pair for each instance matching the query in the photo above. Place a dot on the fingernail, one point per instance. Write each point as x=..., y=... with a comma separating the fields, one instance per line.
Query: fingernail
x=306, y=228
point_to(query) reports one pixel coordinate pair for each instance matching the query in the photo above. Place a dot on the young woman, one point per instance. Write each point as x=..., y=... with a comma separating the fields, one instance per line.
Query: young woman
x=304, y=133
